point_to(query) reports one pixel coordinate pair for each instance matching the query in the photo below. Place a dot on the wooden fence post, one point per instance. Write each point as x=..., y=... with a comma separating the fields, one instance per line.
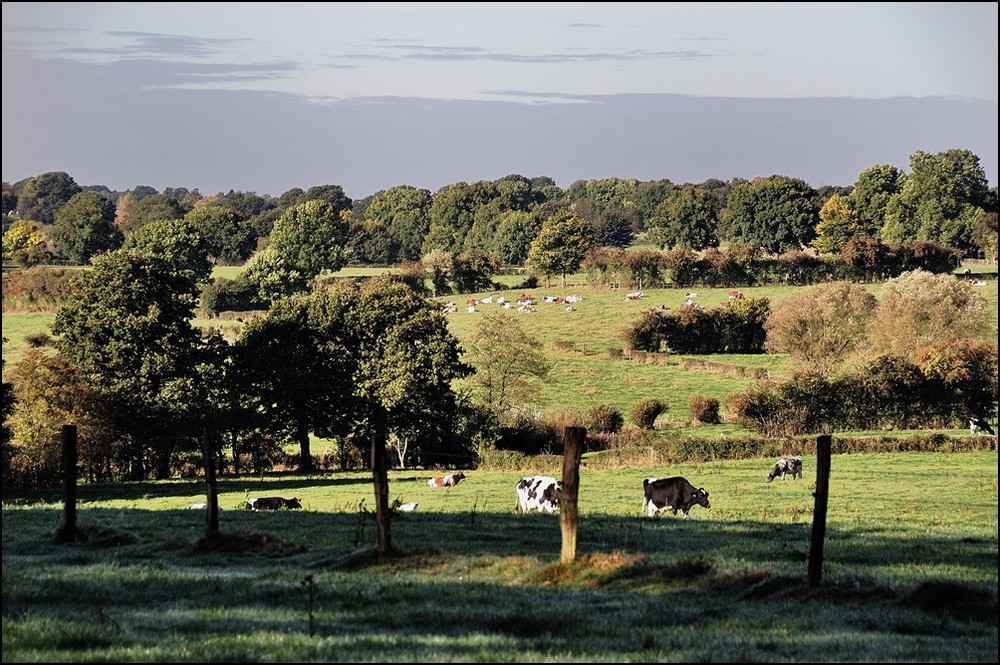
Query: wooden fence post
x=819, y=511
x=573, y=444
x=212, y=496
x=67, y=531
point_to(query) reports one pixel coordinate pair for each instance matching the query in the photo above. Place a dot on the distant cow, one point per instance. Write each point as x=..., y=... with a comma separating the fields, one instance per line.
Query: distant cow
x=272, y=503
x=540, y=493
x=674, y=493
x=979, y=425
x=200, y=506
x=792, y=465
x=449, y=480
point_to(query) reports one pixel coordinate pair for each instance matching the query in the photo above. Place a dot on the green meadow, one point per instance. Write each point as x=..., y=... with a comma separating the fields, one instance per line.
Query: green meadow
x=909, y=570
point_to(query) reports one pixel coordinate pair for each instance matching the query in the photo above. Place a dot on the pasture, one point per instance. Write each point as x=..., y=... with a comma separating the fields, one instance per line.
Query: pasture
x=576, y=343
x=909, y=575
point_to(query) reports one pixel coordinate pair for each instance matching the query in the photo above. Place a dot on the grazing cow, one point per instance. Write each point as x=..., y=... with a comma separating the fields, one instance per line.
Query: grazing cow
x=980, y=425
x=675, y=493
x=540, y=493
x=272, y=503
x=792, y=465
x=449, y=480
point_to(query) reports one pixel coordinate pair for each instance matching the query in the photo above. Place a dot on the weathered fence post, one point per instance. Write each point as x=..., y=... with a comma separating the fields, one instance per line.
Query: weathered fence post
x=380, y=480
x=212, y=505
x=67, y=531
x=573, y=444
x=819, y=511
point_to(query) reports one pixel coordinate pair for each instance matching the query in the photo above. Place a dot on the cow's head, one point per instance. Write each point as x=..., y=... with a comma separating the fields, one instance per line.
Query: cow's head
x=293, y=503
x=700, y=496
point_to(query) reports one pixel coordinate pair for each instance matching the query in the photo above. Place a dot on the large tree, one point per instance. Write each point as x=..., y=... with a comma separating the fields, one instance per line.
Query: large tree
x=311, y=237
x=400, y=360
x=127, y=325
x=405, y=211
x=942, y=200
x=775, y=213
x=838, y=223
x=874, y=188
x=229, y=237
x=85, y=226
x=177, y=240
x=452, y=212
x=687, y=218
x=40, y=197
x=285, y=377
x=560, y=246
x=510, y=364
x=154, y=208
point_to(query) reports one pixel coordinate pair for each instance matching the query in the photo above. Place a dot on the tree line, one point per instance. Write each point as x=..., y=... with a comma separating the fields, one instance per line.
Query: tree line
x=945, y=198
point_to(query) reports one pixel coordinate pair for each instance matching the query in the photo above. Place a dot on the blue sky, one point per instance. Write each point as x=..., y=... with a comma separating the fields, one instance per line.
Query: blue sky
x=268, y=96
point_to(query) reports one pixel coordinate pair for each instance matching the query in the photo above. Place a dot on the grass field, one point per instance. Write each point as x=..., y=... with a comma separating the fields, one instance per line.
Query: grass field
x=909, y=571
x=576, y=343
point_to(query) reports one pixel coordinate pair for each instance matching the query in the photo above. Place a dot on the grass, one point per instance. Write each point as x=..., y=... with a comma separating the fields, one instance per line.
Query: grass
x=909, y=575
x=577, y=344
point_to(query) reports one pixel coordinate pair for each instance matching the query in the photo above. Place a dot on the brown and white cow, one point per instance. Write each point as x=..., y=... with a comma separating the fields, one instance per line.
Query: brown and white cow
x=449, y=480
x=674, y=493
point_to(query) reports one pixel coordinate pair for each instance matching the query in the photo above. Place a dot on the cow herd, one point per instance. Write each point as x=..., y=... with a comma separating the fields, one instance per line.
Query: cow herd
x=543, y=494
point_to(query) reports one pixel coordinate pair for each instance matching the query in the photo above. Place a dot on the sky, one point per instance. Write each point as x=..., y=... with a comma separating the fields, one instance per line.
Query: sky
x=265, y=97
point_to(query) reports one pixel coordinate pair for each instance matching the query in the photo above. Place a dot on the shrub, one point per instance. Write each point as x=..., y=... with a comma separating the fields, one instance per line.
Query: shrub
x=36, y=340
x=644, y=413
x=703, y=409
x=603, y=418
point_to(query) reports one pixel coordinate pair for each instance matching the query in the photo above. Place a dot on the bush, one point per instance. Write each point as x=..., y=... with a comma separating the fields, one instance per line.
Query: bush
x=603, y=419
x=703, y=409
x=644, y=413
x=36, y=340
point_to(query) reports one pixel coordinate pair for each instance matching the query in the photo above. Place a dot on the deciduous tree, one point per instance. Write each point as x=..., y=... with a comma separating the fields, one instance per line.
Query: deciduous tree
x=127, y=326
x=311, y=238
x=560, y=246
x=510, y=364
x=85, y=226
x=919, y=308
x=777, y=213
x=819, y=326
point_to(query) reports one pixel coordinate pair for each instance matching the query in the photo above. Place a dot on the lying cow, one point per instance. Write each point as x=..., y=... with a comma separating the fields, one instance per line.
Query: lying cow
x=540, y=493
x=792, y=465
x=272, y=503
x=449, y=480
x=674, y=493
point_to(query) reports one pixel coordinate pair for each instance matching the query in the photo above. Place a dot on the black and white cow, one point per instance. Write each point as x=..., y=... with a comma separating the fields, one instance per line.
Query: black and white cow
x=792, y=465
x=674, y=493
x=980, y=426
x=540, y=493
x=272, y=503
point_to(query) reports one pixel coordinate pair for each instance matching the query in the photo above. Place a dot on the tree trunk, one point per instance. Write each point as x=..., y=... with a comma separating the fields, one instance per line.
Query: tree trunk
x=302, y=435
x=380, y=478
